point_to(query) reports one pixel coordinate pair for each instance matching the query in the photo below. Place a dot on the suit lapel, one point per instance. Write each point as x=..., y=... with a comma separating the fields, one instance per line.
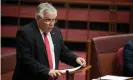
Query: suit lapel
x=41, y=46
x=40, y=43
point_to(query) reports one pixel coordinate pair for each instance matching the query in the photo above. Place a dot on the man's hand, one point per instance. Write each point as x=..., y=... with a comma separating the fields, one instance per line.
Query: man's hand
x=54, y=73
x=81, y=61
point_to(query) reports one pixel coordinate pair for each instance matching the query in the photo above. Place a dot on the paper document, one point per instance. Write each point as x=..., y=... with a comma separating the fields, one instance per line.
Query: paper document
x=111, y=77
x=70, y=70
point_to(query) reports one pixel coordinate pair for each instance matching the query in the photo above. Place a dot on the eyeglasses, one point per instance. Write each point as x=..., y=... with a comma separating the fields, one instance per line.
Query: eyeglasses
x=50, y=20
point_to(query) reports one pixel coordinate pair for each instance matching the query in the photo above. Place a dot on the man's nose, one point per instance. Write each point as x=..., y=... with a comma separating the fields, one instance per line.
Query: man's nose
x=51, y=23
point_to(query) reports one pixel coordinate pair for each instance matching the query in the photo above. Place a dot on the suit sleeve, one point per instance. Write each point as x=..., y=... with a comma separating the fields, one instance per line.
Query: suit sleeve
x=25, y=57
x=128, y=58
x=66, y=55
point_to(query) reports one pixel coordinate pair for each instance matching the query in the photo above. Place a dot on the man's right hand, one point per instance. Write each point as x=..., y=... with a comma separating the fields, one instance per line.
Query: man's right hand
x=54, y=73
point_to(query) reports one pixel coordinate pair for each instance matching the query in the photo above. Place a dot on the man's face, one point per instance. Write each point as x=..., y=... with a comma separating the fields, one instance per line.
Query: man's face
x=47, y=23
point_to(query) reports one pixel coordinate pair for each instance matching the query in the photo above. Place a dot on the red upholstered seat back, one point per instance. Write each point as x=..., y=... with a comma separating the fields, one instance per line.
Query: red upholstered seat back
x=104, y=53
x=8, y=62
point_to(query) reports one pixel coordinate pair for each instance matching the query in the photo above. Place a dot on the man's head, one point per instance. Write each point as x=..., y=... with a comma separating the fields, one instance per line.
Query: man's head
x=46, y=16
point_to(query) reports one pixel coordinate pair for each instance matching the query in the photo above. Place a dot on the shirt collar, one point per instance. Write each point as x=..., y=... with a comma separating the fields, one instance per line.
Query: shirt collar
x=43, y=32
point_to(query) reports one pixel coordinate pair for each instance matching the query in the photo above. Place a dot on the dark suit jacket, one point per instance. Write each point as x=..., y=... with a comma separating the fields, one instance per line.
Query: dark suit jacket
x=32, y=62
x=128, y=59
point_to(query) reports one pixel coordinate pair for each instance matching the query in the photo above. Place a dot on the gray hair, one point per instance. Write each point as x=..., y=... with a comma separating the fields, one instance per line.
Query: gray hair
x=45, y=7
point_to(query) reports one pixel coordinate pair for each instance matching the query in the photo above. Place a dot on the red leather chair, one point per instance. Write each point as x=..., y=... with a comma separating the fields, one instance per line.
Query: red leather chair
x=8, y=61
x=103, y=54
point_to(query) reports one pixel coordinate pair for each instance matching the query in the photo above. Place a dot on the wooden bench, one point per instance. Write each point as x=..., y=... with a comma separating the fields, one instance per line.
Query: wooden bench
x=102, y=52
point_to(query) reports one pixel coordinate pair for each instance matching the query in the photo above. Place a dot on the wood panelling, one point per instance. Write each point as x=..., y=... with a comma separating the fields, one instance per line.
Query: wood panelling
x=99, y=15
x=27, y=11
x=8, y=31
x=78, y=19
x=62, y=13
x=64, y=34
x=9, y=10
x=94, y=33
x=77, y=35
x=123, y=16
x=78, y=14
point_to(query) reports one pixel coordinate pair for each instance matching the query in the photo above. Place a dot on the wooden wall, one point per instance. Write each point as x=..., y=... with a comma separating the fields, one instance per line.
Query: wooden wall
x=79, y=20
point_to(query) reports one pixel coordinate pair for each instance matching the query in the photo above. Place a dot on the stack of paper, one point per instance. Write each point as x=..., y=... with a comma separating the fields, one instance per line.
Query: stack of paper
x=111, y=77
x=70, y=70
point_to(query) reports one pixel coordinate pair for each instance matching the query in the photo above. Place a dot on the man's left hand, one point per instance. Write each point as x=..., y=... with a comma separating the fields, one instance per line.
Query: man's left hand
x=81, y=61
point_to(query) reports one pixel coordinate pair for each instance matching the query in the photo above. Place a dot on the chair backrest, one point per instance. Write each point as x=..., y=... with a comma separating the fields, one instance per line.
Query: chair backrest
x=120, y=60
x=8, y=62
x=103, y=54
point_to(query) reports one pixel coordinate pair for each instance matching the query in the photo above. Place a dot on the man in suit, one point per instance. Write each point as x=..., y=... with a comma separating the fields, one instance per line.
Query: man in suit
x=128, y=59
x=40, y=46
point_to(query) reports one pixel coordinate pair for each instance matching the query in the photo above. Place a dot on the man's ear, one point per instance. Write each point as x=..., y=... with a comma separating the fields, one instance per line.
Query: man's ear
x=37, y=17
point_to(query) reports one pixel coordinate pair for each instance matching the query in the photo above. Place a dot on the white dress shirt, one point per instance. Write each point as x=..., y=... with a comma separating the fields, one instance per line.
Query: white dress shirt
x=51, y=46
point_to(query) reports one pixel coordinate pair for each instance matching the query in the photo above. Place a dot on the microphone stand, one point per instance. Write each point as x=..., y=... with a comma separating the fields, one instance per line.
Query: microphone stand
x=67, y=75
